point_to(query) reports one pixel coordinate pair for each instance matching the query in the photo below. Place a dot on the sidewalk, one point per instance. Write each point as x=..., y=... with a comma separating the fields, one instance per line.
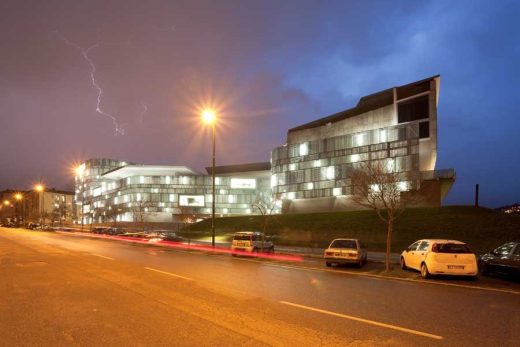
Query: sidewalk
x=375, y=257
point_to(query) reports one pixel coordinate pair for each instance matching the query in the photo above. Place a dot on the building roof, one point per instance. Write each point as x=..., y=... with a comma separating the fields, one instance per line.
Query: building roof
x=149, y=170
x=240, y=168
x=372, y=102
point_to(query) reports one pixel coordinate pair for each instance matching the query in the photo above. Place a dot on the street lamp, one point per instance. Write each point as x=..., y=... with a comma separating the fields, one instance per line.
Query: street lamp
x=80, y=170
x=6, y=204
x=18, y=197
x=209, y=117
x=40, y=188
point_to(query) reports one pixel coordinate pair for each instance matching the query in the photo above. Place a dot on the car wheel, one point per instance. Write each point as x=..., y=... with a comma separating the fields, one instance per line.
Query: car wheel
x=360, y=263
x=482, y=267
x=403, y=264
x=424, y=271
x=271, y=250
x=255, y=250
x=328, y=264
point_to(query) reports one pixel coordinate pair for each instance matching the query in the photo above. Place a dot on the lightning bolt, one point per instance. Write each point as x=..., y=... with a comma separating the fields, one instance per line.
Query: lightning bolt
x=143, y=112
x=84, y=52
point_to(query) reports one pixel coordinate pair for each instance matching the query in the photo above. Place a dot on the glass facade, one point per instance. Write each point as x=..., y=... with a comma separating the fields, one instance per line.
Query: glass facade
x=322, y=168
x=104, y=195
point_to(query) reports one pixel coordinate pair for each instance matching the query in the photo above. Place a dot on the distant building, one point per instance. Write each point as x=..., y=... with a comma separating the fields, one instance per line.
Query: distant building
x=111, y=191
x=50, y=206
x=398, y=126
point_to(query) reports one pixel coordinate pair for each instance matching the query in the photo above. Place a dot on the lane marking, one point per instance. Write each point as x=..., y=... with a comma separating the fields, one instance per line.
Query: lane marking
x=169, y=273
x=367, y=321
x=102, y=256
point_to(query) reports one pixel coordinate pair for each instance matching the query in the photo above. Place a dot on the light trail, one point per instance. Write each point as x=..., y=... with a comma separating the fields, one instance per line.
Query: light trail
x=84, y=52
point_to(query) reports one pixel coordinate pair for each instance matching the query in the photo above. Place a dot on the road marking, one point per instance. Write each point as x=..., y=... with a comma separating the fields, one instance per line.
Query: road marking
x=367, y=321
x=102, y=256
x=169, y=274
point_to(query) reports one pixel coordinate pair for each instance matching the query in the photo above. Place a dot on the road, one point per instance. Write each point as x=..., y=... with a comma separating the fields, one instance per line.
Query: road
x=63, y=290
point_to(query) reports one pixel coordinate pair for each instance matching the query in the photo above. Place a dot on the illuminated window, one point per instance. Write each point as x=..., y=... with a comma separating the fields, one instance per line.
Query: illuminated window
x=116, y=200
x=382, y=135
x=126, y=198
x=128, y=180
x=330, y=173
x=273, y=181
x=336, y=191
x=217, y=181
x=138, y=197
x=360, y=139
x=225, y=210
x=291, y=195
x=191, y=200
x=243, y=183
x=167, y=180
x=292, y=167
x=172, y=197
x=354, y=158
x=317, y=163
x=185, y=180
x=403, y=186
x=309, y=186
x=390, y=165
x=304, y=148
x=375, y=188
x=231, y=199
x=141, y=179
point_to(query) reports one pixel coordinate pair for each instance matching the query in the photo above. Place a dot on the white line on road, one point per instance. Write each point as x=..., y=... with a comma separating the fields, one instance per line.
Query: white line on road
x=367, y=321
x=102, y=256
x=168, y=273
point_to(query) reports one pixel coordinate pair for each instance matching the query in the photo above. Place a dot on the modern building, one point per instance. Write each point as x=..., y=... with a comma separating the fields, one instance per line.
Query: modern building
x=398, y=126
x=111, y=191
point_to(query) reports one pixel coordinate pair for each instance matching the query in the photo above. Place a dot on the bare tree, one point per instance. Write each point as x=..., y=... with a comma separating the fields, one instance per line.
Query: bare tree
x=266, y=207
x=379, y=186
x=139, y=210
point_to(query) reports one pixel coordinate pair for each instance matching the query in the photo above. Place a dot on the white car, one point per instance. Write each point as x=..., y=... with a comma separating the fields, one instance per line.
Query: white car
x=251, y=242
x=345, y=251
x=440, y=257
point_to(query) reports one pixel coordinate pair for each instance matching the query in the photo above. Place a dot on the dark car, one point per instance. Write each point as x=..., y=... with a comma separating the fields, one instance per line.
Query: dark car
x=504, y=260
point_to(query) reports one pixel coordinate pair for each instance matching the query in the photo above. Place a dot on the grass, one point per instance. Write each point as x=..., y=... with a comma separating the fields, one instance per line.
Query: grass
x=482, y=228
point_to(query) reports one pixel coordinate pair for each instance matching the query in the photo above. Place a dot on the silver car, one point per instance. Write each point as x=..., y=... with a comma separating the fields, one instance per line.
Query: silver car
x=345, y=251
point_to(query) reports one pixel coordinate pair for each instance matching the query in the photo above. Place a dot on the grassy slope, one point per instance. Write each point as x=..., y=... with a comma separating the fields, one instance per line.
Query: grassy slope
x=482, y=228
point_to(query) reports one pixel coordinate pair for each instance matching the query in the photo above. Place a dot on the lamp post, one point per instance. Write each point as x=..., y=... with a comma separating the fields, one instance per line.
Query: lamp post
x=18, y=197
x=209, y=117
x=6, y=205
x=80, y=170
x=40, y=189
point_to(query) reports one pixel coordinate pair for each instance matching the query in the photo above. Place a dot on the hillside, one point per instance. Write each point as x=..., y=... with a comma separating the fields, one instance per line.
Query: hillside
x=482, y=228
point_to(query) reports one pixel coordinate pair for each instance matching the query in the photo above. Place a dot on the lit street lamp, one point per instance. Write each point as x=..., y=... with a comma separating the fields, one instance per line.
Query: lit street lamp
x=80, y=170
x=209, y=117
x=40, y=188
x=18, y=197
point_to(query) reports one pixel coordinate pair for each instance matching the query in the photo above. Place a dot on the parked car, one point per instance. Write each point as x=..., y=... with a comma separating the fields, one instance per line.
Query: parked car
x=33, y=226
x=504, y=259
x=440, y=257
x=170, y=236
x=252, y=242
x=345, y=251
x=100, y=230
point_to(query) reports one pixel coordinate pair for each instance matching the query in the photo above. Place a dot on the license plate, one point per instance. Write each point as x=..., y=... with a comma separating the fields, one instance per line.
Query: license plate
x=458, y=267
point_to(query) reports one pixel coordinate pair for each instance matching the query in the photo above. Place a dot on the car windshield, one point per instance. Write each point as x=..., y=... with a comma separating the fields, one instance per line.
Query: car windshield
x=453, y=248
x=242, y=237
x=344, y=244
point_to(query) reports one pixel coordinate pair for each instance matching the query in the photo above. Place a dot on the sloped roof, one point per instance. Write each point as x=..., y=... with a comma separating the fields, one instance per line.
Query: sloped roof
x=371, y=102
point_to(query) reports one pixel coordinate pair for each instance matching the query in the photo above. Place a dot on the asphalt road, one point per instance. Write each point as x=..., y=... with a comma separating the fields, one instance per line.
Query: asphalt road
x=65, y=290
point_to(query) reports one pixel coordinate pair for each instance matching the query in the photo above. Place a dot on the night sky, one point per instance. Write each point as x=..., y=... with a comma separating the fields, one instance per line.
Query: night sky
x=266, y=66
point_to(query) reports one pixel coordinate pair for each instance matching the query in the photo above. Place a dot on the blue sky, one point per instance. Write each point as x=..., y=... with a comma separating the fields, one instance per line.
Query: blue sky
x=269, y=65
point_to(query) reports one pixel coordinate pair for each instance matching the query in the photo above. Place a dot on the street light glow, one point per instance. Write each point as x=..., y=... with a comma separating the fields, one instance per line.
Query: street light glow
x=39, y=188
x=18, y=196
x=6, y=202
x=80, y=170
x=209, y=116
